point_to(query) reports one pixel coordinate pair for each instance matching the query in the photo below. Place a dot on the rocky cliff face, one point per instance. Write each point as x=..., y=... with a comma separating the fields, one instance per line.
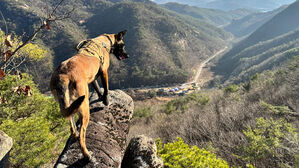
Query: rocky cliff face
x=5, y=147
x=106, y=134
x=106, y=138
x=141, y=153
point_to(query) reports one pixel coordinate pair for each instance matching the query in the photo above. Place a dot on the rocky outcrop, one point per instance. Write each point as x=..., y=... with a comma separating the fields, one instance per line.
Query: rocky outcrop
x=141, y=153
x=105, y=136
x=5, y=147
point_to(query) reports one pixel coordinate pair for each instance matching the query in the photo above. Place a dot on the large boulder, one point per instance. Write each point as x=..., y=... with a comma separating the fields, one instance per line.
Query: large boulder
x=5, y=147
x=105, y=136
x=141, y=153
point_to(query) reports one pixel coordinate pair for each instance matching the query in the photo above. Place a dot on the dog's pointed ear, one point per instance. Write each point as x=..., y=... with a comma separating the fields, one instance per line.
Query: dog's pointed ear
x=119, y=36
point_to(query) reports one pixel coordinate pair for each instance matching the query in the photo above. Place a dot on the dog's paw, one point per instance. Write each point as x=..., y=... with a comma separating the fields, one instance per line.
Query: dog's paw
x=88, y=157
x=75, y=134
x=105, y=100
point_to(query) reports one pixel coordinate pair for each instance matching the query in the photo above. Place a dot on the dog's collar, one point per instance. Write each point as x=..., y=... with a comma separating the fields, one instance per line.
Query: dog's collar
x=111, y=43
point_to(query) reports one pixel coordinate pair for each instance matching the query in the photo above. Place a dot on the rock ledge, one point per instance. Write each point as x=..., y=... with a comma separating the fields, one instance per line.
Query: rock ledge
x=105, y=136
x=5, y=147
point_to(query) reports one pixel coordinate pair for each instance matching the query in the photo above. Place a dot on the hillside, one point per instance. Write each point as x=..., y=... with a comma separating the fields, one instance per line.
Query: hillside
x=189, y=2
x=227, y=5
x=163, y=45
x=221, y=119
x=271, y=44
x=261, y=5
x=23, y=16
x=215, y=16
x=248, y=24
x=281, y=23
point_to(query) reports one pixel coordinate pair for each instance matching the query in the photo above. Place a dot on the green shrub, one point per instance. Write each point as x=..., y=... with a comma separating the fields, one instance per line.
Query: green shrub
x=269, y=140
x=143, y=112
x=17, y=104
x=252, y=80
x=254, y=77
x=151, y=94
x=180, y=155
x=33, y=121
x=231, y=89
x=180, y=105
x=199, y=99
x=276, y=109
x=297, y=160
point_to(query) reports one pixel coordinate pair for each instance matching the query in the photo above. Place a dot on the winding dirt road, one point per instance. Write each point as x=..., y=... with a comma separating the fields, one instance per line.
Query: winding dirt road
x=196, y=77
x=203, y=64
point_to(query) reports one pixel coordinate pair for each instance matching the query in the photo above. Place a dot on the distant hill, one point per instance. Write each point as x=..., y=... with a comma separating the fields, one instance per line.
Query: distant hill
x=214, y=16
x=278, y=25
x=189, y=2
x=271, y=44
x=248, y=24
x=227, y=5
x=261, y=5
x=164, y=46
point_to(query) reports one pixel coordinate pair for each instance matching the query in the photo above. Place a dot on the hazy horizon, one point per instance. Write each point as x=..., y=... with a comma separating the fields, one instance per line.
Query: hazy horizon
x=226, y=5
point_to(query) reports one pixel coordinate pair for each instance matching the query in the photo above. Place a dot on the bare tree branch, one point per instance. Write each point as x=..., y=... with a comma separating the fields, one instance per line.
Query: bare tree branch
x=6, y=28
x=17, y=65
x=44, y=24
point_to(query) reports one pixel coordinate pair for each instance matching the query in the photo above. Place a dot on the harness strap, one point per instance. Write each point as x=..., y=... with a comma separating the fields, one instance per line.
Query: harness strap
x=111, y=43
x=90, y=48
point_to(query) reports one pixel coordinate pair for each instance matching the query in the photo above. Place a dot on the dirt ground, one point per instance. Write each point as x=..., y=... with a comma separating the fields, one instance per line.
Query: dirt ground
x=205, y=76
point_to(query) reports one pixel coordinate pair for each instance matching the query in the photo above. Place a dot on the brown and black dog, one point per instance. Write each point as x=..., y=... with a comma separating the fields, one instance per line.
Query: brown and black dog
x=69, y=82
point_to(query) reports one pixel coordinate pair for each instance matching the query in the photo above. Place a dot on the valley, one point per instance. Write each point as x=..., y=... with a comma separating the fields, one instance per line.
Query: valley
x=201, y=75
x=221, y=75
x=202, y=65
x=162, y=44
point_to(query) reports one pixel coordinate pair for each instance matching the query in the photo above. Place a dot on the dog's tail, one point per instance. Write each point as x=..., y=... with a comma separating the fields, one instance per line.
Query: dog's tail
x=67, y=112
x=63, y=98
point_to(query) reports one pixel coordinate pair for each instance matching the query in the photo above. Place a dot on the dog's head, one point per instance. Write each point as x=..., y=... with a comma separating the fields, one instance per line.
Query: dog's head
x=119, y=46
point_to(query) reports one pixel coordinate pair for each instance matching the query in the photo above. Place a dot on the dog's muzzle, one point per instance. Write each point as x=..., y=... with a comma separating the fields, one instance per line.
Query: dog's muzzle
x=123, y=56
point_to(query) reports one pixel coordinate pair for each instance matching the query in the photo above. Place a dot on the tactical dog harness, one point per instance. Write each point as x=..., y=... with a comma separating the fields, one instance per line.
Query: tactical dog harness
x=93, y=49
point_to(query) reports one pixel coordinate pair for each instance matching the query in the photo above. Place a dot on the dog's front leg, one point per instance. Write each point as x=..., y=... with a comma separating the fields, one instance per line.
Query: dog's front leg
x=104, y=79
x=96, y=86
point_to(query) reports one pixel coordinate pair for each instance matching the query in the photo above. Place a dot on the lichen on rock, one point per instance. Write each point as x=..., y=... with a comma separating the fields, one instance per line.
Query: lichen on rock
x=141, y=153
x=105, y=136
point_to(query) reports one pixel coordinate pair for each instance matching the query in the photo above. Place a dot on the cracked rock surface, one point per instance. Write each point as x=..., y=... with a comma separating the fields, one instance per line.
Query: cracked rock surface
x=105, y=136
x=141, y=153
x=6, y=143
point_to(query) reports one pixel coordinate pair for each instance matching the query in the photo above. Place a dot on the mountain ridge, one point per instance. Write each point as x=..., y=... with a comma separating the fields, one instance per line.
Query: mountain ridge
x=248, y=24
x=162, y=51
x=214, y=16
x=267, y=47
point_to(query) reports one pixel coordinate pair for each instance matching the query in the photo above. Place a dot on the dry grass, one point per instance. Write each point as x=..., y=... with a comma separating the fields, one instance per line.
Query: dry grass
x=223, y=119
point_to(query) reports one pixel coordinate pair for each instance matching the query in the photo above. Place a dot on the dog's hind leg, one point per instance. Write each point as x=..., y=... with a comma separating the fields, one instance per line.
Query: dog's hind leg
x=104, y=79
x=74, y=131
x=84, y=124
x=82, y=89
x=62, y=95
x=96, y=87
